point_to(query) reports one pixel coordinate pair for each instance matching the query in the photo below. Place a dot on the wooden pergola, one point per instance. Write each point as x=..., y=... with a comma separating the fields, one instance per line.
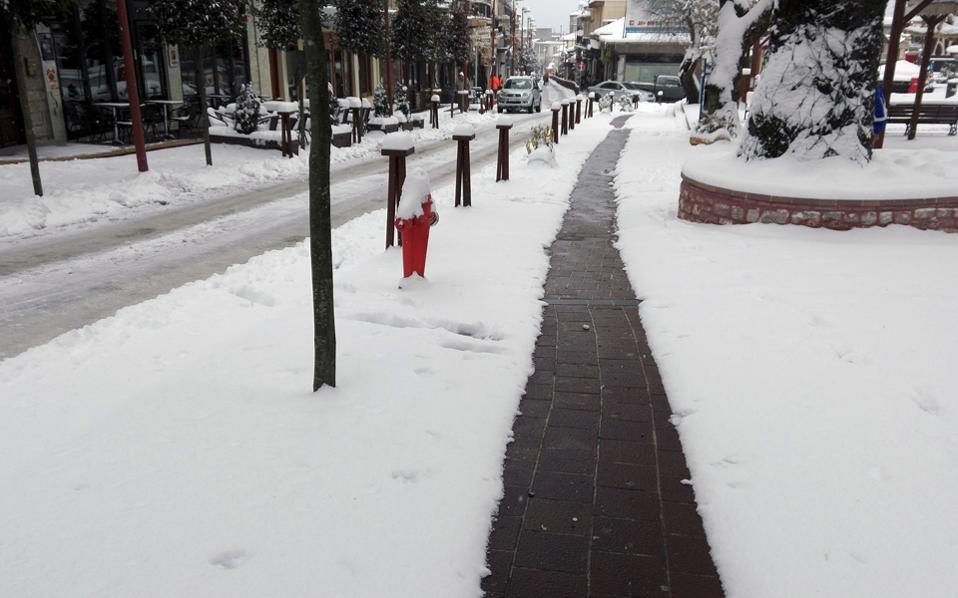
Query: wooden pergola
x=932, y=12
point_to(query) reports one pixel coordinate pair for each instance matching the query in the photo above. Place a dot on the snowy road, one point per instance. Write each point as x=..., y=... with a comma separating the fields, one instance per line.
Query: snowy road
x=49, y=286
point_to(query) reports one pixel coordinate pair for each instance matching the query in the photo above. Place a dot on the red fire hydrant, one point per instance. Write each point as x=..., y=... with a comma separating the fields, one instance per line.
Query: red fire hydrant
x=415, y=238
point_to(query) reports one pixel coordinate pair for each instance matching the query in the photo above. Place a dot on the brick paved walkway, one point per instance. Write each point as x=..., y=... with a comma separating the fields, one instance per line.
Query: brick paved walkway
x=595, y=504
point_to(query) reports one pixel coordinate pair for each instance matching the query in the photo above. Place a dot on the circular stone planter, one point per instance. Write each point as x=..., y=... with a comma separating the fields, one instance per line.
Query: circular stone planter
x=701, y=202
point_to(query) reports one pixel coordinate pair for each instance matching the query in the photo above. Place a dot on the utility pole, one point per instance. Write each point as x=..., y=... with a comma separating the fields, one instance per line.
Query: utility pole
x=389, y=57
x=131, y=92
x=495, y=28
x=513, y=50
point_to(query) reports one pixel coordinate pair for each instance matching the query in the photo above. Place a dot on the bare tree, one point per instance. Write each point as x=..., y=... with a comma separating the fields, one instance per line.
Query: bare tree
x=320, y=223
x=16, y=17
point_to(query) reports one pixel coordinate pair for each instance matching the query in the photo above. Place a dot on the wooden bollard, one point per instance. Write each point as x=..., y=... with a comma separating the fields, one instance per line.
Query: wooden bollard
x=397, y=146
x=463, y=101
x=571, y=115
x=578, y=109
x=434, y=112
x=565, y=117
x=556, y=108
x=502, y=165
x=591, y=101
x=463, y=134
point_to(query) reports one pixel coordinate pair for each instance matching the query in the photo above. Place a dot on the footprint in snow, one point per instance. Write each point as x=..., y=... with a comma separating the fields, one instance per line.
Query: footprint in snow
x=230, y=559
x=926, y=401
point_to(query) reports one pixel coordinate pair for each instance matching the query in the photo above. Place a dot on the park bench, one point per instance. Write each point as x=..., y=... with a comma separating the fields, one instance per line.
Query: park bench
x=928, y=114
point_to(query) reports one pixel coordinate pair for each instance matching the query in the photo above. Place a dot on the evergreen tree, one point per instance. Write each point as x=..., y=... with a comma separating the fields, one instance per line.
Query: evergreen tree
x=457, y=43
x=200, y=24
x=417, y=31
x=359, y=26
x=401, y=98
x=381, y=101
x=17, y=16
x=738, y=22
x=247, y=111
x=816, y=97
x=279, y=23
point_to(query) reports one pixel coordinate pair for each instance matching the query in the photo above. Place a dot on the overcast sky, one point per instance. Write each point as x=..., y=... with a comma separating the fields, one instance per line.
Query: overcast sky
x=550, y=13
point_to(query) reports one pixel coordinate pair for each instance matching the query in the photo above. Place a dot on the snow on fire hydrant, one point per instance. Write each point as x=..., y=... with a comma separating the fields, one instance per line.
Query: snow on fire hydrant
x=414, y=216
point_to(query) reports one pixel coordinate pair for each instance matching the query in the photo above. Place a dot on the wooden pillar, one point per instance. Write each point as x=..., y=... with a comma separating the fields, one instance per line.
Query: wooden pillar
x=891, y=61
x=565, y=117
x=463, y=171
x=132, y=93
x=556, y=108
x=502, y=164
x=931, y=23
x=578, y=109
x=397, y=177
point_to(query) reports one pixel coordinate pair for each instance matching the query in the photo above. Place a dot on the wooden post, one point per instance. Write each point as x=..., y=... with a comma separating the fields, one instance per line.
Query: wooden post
x=132, y=93
x=434, y=112
x=463, y=171
x=591, y=101
x=357, y=125
x=397, y=176
x=891, y=61
x=502, y=165
x=565, y=117
x=556, y=108
x=578, y=109
x=571, y=115
x=931, y=23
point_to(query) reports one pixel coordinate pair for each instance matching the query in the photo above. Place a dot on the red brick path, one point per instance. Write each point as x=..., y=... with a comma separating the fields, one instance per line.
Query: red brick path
x=596, y=499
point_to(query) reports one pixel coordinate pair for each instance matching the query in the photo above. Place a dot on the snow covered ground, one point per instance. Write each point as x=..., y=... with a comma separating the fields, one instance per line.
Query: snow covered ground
x=88, y=191
x=174, y=449
x=811, y=372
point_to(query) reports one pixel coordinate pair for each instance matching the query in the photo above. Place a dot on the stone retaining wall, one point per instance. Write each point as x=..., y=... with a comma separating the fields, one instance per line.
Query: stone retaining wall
x=699, y=202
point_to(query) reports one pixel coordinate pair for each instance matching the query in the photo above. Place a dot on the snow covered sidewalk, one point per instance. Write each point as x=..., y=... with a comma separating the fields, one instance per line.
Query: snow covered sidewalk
x=811, y=373
x=174, y=449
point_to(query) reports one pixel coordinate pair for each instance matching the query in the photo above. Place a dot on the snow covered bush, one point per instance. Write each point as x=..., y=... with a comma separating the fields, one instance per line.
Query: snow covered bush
x=816, y=97
x=540, y=147
x=401, y=99
x=625, y=103
x=605, y=102
x=540, y=136
x=246, y=114
x=380, y=101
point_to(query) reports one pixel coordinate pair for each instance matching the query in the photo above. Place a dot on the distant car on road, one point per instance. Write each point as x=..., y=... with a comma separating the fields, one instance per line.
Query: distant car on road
x=520, y=93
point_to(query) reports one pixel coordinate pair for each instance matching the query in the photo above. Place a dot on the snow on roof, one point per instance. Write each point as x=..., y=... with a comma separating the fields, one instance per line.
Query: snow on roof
x=569, y=37
x=613, y=28
x=613, y=33
x=904, y=70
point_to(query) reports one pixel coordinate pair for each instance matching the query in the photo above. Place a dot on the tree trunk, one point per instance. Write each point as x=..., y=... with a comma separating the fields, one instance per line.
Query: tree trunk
x=204, y=120
x=320, y=225
x=837, y=46
x=737, y=27
x=21, y=74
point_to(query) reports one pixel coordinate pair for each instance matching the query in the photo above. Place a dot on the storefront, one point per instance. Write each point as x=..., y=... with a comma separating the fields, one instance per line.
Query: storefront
x=88, y=55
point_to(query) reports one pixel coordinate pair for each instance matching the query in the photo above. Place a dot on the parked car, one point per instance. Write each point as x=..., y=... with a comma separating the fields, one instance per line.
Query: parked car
x=667, y=88
x=520, y=93
x=616, y=88
x=645, y=94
